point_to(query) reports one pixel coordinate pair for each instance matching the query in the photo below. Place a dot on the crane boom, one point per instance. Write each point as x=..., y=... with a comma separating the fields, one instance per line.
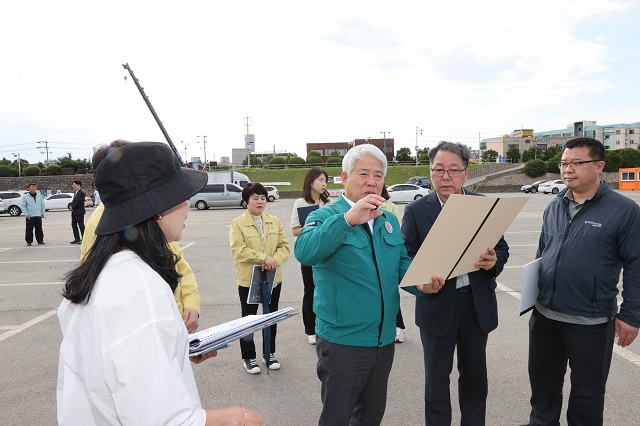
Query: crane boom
x=153, y=112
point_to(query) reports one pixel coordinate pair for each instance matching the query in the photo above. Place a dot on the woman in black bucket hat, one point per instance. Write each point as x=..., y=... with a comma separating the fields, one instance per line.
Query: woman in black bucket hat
x=124, y=354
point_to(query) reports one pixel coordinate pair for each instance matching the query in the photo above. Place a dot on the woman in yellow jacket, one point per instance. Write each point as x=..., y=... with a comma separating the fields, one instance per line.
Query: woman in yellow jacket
x=257, y=238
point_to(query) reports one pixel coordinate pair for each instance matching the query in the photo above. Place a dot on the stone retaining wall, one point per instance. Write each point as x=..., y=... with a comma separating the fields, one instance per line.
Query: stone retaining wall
x=44, y=183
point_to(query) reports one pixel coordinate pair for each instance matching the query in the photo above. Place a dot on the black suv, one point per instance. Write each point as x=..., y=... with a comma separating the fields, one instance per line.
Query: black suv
x=422, y=181
x=12, y=202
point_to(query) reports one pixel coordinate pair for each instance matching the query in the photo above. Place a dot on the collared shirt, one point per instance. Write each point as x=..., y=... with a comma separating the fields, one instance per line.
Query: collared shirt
x=461, y=280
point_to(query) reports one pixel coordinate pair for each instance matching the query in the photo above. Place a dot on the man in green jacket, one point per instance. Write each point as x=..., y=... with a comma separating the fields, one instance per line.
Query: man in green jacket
x=358, y=259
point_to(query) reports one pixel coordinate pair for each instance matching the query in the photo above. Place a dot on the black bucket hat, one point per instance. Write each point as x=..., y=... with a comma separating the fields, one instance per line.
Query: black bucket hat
x=138, y=181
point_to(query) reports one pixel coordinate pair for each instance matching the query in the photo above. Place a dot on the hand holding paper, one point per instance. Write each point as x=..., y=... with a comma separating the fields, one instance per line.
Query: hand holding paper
x=487, y=259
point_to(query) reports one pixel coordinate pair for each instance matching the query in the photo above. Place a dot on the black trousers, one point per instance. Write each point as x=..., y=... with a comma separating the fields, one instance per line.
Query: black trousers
x=77, y=224
x=588, y=349
x=308, y=316
x=354, y=383
x=34, y=222
x=471, y=343
x=247, y=345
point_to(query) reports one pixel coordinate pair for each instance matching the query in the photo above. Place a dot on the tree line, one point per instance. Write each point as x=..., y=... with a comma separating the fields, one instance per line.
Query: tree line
x=10, y=168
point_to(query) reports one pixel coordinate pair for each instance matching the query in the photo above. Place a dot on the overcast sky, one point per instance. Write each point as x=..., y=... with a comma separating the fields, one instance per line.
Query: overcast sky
x=305, y=72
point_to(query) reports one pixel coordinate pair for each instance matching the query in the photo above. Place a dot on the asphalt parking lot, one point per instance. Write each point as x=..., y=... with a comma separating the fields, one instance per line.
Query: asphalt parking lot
x=31, y=279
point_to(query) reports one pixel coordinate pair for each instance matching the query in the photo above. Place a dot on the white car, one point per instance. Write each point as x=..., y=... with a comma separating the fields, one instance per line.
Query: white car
x=553, y=186
x=406, y=192
x=273, y=193
x=58, y=201
x=2, y=210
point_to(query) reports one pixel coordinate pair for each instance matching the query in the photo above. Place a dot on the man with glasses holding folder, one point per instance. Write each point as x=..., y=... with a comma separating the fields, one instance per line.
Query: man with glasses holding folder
x=459, y=312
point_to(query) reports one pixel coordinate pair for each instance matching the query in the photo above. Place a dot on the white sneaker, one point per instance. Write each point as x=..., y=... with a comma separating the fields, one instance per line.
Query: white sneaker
x=311, y=338
x=399, y=335
x=273, y=362
x=251, y=365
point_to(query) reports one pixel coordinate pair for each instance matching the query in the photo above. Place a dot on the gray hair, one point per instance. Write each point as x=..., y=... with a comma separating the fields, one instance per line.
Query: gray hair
x=358, y=152
x=454, y=147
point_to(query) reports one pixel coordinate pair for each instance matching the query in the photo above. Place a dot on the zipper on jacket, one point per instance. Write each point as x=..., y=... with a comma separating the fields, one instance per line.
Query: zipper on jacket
x=594, y=296
x=366, y=228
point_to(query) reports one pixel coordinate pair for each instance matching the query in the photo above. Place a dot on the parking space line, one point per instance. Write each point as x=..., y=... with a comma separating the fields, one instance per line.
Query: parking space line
x=27, y=324
x=38, y=261
x=624, y=353
x=31, y=284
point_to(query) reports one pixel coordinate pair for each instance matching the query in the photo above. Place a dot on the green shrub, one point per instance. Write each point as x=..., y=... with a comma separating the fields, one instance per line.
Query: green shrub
x=32, y=171
x=612, y=161
x=552, y=164
x=295, y=162
x=334, y=160
x=314, y=160
x=53, y=170
x=5, y=171
x=535, y=168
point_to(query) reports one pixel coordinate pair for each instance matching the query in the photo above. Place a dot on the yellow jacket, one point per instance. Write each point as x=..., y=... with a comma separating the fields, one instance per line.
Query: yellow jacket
x=186, y=294
x=246, y=245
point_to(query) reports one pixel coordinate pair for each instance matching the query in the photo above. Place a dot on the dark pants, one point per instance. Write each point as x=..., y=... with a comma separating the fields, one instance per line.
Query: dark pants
x=77, y=224
x=247, y=345
x=588, y=350
x=354, y=383
x=34, y=222
x=471, y=342
x=399, y=320
x=308, y=316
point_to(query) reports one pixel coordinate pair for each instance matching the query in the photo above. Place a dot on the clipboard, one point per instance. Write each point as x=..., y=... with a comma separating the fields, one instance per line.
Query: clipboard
x=303, y=213
x=466, y=226
x=255, y=294
x=529, y=291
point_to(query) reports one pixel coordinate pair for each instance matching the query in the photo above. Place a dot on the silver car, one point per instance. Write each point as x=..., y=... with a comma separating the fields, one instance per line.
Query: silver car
x=218, y=195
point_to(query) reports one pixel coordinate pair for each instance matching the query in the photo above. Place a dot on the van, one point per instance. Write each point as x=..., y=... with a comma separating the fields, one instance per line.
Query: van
x=218, y=195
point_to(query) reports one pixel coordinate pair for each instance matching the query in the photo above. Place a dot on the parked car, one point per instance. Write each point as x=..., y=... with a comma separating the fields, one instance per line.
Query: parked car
x=405, y=193
x=96, y=199
x=58, y=201
x=273, y=193
x=12, y=201
x=553, y=186
x=2, y=210
x=218, y=195
x=422, y=181
x=532, y=187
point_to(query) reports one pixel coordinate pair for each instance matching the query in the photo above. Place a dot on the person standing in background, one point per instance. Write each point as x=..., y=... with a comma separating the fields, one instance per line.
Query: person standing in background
x=314, y=193
x=33, y=208
x=77, y=212
x=257, y=238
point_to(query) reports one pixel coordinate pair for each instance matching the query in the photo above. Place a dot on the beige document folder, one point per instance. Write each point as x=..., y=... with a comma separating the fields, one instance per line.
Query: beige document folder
x=465, y=228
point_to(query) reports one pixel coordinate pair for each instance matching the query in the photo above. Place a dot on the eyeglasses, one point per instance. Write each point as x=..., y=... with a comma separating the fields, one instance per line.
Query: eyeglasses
x=441, y=172
x=575, y=164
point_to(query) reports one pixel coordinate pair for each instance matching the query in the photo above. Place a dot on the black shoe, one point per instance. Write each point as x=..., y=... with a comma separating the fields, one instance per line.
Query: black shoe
x=75, y=242
x=41, y=242
x=29, y=244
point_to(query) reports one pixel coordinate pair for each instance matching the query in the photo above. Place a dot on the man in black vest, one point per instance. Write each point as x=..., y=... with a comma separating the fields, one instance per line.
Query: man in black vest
x=77, y=212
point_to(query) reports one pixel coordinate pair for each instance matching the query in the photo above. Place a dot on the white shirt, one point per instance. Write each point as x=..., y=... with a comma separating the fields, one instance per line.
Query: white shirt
x=124, y=355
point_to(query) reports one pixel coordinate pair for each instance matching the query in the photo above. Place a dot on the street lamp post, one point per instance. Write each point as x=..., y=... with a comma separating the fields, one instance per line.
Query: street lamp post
x=19, y=163
x=204, y=147
x=417, y=131
x=384, y=144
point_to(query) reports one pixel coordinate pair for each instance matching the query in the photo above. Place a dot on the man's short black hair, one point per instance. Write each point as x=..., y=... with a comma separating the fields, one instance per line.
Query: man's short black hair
x=77, y=182
x=596, y=148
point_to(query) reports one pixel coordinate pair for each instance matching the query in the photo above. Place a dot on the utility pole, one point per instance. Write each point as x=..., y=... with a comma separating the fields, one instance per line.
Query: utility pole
x=46, y=149
x=247, y=122
x=417, y=131
x=19, y=163
x=204, y=145
x=185, y=151
x=384, y=144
